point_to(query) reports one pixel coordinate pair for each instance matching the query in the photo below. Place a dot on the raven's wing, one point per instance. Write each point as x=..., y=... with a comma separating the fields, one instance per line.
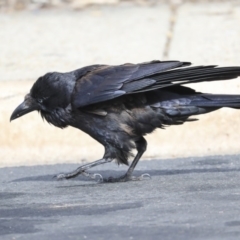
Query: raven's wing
x=108, y=82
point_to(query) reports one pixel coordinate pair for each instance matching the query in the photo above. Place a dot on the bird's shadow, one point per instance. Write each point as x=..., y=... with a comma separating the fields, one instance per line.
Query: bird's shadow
x=113, y=173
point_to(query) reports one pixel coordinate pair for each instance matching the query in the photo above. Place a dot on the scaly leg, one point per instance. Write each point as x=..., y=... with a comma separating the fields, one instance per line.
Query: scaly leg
x=82, y=170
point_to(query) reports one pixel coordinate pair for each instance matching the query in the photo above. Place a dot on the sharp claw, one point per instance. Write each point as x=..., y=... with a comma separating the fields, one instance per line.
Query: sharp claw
x=145, y=176
x=100, y=178
x=60, y=176
x=93, y=176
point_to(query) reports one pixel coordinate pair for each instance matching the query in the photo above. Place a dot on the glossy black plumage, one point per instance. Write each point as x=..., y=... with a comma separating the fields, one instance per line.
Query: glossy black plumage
x=118, y=105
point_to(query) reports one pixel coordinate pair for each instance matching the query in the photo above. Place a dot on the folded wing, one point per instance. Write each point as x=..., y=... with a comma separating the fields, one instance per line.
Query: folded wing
x=109, y=82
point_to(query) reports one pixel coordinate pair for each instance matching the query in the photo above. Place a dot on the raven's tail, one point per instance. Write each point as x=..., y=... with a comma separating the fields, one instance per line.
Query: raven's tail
x=200, y=103
x=215, y=101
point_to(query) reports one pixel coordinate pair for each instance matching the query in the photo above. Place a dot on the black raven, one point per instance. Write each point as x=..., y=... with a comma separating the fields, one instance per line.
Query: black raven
x=118, y=105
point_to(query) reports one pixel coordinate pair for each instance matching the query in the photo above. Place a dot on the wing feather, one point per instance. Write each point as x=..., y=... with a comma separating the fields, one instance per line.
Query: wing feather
x=104, y=82
x=108, y=82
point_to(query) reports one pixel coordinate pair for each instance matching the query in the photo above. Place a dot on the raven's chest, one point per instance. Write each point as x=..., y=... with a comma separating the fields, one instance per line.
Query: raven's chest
x=59, y=117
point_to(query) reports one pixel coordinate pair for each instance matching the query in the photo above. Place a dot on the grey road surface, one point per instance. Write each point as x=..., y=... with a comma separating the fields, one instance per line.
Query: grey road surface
x=191, y=198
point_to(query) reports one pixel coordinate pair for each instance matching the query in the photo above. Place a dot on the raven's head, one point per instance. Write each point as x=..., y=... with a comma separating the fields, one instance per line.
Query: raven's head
x=49, y=92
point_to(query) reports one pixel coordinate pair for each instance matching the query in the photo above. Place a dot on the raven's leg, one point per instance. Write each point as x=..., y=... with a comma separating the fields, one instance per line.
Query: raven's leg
x=83, y=168
x=141, y=146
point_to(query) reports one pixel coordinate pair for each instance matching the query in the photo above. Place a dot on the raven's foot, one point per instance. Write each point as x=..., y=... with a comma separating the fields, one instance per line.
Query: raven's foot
x=126, y=178
x=96, y=176
x=82, y=170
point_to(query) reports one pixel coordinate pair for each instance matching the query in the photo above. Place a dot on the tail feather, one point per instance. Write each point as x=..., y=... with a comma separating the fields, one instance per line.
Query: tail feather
x=216, y=100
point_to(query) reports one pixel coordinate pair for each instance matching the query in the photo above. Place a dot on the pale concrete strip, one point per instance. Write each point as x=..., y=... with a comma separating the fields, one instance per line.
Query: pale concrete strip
x=205, y=33
x=34, y=43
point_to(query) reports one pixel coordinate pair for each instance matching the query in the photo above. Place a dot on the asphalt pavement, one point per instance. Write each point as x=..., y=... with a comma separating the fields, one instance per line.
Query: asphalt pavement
x=191, y=198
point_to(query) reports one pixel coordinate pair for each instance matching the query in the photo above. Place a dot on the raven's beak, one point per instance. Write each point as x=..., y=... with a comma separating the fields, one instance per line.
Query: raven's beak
x=27, y=106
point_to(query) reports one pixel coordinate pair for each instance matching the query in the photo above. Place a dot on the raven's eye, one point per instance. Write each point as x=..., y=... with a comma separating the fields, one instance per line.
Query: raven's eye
x=40, y=100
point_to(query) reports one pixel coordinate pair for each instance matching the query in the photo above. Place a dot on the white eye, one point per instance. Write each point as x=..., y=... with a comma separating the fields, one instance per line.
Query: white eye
x=40, y=101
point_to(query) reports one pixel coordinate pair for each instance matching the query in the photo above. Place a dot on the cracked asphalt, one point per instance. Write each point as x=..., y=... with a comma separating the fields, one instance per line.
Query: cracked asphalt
x=189, y=198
